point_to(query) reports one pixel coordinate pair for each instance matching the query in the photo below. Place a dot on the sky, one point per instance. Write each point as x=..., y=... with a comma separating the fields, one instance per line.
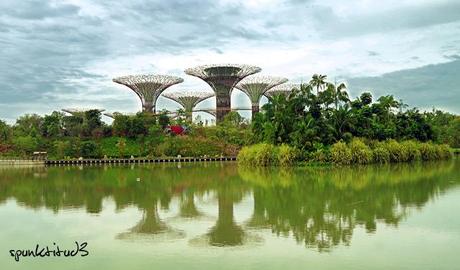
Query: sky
x=64, y=54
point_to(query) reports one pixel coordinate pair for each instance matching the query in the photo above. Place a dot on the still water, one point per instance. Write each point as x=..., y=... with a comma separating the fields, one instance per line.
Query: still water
x=221, y=216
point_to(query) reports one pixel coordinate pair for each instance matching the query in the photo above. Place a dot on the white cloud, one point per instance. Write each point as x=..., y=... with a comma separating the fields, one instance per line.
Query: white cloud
x=67, y=52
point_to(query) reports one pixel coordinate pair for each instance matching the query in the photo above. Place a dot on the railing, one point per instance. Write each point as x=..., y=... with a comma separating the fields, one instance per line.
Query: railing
x=137, y=160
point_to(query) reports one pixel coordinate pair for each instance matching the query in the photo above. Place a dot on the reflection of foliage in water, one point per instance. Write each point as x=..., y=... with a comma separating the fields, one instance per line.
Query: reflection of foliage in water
x=319, y=207
x=322, y=206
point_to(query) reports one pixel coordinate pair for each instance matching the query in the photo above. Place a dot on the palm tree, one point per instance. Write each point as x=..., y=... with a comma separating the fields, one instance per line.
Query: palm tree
x=318, y=81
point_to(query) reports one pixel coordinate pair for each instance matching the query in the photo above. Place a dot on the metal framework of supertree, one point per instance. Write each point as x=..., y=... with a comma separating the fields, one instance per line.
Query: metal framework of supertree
x=148, y=87
x=114, y=114
x=80, y=111
x=222, y=78
x=282, y=89
x=256, y=86
x=188, y=100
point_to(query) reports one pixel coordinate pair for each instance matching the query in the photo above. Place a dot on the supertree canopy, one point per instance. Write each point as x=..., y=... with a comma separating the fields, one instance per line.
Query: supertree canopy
x=148, y=87
x=282, y=89
x=188, y=100
x=256, y=86
x=80, y=111
x=222, y=78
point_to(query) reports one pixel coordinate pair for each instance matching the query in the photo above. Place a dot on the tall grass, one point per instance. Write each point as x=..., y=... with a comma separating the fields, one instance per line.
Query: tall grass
x=340, y=153
x=264, y=154
x=360, y=152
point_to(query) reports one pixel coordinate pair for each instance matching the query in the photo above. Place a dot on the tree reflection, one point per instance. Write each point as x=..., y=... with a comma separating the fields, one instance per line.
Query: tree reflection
x=322, y=206
x=318, y=207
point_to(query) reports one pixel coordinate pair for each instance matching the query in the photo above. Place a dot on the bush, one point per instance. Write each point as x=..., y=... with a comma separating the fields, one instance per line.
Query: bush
x=381, y=155
x=320, y=156
x=428, y=151
x=412, y=149
x=360, y=152
x=265, y=154
x=444, y=151
x=398, y=153
x=287, y=155
x=90, y=149
x=25, y=144
x=110, y=147
x=187, y=146
x=340, y=153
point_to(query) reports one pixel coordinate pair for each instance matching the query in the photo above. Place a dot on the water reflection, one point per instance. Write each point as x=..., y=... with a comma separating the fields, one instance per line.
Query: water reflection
x=317, y=207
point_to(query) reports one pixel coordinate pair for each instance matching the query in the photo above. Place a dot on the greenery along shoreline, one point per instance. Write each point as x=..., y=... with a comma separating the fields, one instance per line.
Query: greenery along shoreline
x=312, y=123
x=358, y=151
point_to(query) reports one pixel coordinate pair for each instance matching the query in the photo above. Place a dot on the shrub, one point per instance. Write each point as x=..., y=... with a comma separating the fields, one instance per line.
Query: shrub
x=444, y=151
x=265, y=154
x=381, y=154
x=61, y=147
x=411, y=147
x=246, y=156
x=287, y=155
x=428, y=151
x=320, y=155
x=398, y=153
x=89, y=149
x=360, y=152
x=340, y=153
x=187, y=146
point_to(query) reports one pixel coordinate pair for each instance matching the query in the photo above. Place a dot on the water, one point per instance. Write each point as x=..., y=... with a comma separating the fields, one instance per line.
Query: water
x=219, y=216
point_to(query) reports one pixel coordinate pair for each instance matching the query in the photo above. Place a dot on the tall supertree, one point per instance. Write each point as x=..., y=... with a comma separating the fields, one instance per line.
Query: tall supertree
x=282, y=89
x=256, y=86
x=188, y=100
x=148, y=87
x=222, y=78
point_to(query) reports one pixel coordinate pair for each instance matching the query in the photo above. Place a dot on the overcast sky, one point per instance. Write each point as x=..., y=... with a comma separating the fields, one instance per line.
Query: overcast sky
x=64, y=53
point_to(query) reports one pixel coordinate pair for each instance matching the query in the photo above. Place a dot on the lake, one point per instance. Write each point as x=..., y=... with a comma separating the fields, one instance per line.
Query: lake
x=221, y=216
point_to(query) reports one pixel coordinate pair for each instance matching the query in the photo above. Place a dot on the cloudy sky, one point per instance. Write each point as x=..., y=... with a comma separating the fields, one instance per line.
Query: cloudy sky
x=64, y=53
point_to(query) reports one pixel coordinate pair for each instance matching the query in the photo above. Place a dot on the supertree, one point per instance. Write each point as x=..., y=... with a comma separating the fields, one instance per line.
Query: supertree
x=256, y=86
x=80, y=111
x=148, y=87
x=188, y=100
x=222, y=78
x=282, y=89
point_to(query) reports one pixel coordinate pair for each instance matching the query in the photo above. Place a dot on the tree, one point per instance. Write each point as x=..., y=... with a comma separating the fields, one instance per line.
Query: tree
x=366, y=98
x=52, y=125
x=25, y=144
x=72, y=125
x=120, y=125
x=28, y=124
x=163, y=120
x=318, y=81
x=92, y=121
x=90, y=149
x=121, y=145
x=5, y=132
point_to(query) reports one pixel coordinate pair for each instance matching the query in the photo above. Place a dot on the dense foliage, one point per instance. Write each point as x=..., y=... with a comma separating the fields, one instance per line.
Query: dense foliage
x=319, y=121
x=85, y=135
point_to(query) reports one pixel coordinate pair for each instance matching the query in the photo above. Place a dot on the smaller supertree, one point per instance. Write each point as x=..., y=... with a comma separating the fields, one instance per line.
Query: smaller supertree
x=188, y=100
x=282, y=89
x=148, y=87
x=256, y=86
